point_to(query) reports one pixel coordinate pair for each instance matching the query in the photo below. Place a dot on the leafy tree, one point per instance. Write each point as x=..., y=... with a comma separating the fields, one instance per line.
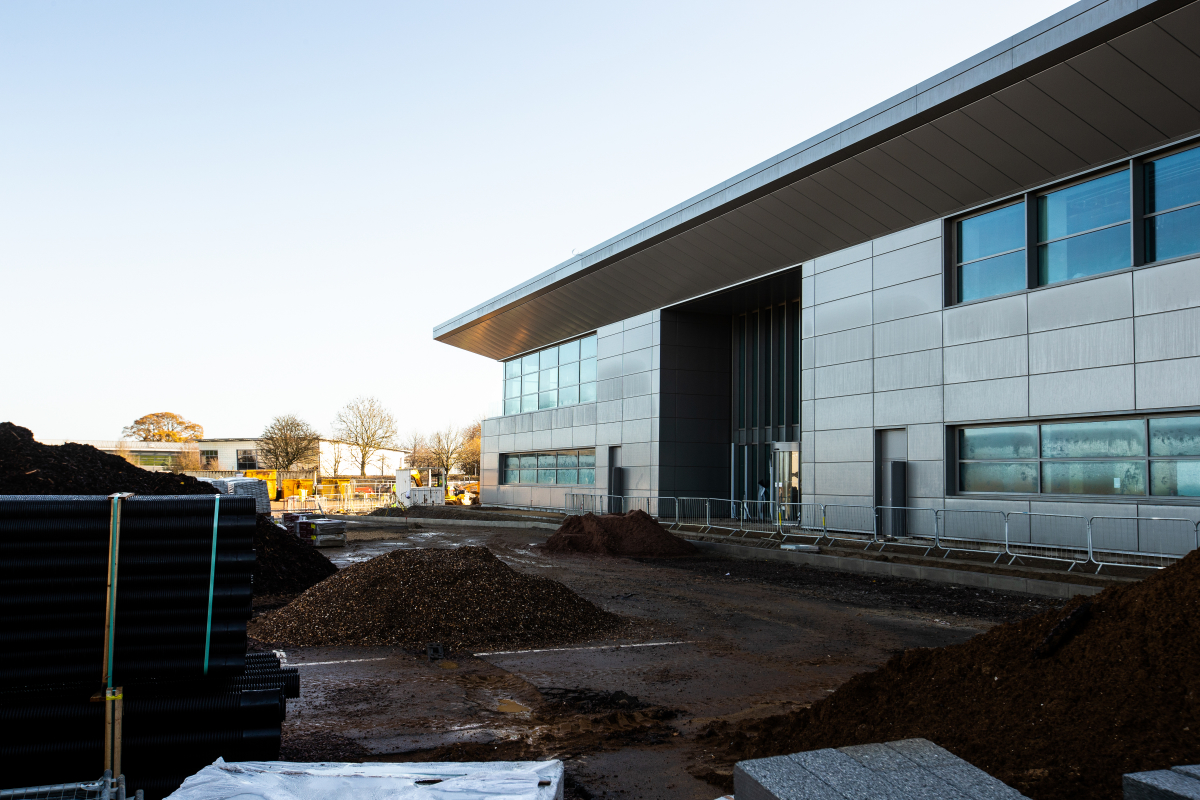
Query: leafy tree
x=164, y=427
x=187, y=460
x=289, y=442
x=366, y=427
x=469, y=454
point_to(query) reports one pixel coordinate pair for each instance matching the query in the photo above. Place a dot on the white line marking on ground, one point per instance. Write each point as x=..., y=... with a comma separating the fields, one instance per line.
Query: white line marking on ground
x=347, y=661
x=568, y=649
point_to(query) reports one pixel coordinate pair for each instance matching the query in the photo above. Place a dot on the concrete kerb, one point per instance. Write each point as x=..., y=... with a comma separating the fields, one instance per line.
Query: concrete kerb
x=982, y=580
x=430, y=522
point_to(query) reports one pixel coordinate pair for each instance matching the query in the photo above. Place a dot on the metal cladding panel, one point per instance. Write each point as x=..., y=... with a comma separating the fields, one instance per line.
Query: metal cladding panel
x=853, y=411
x=844, y=477
x=1168, y=384
x=925, y=442
x=1167, y=288
x=926, y=479
x=908, y=335
x=844, y=281
x=907, y=406
x=907, y=264
x=1081, y=303
x=840, y=315
x=983, y=400
x=1082, y=391
x=842, y=379
x=993, y=319
x=1104, y=344
x=851, y=444
x=1091, y=84
x=908, y=371
x=908, y=299
x=907, y=238
x=838, y=348
x=994, y=358
x=1175, y=334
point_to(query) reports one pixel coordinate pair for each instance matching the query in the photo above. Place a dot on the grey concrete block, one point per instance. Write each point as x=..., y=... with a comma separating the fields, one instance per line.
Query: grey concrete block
x=778, y=778
x=1161, y=785
x=850, y=778
x=1191, y=770
x=970, y=780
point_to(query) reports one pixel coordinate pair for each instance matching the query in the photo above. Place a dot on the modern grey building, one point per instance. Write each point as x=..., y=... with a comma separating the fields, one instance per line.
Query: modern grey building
x=993, y=276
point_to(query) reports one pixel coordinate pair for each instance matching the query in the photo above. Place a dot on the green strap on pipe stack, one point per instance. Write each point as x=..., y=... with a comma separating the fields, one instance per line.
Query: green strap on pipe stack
x=212, y=575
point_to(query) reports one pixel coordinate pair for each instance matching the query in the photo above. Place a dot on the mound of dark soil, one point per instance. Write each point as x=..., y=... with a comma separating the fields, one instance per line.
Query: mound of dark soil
x=30, y=467
x=461, y=598
x=632, y=534
x=1059, y=705
x=284, y=565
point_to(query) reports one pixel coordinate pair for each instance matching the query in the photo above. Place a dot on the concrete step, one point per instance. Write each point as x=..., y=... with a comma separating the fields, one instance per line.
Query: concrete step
x=1178, y=783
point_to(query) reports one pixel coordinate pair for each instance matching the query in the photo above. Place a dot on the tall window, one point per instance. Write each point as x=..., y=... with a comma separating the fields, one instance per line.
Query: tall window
x=1158, y=456
x=990, y=253
x=563, y=375
x=1084, y=229
x=1172, y=198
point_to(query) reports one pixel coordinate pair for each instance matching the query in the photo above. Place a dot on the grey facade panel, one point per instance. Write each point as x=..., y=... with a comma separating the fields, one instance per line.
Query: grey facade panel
x=993, y=319
x=638, y=338
x=986, y=360
x=808, y=353
x=925, y=442
x=838, y=348
x=635, y=362
x=608, y=368
x=609, y=346
x=808, y=323
x=908, y=237
x=1174, y=334
x=808, y=415
x=908, y=299
x=908, y=264
x=1082, y=391
x=853, y=411
x=1103, y=344
x=840, y=315
x=808, y=291
x=1167, y=288
x=852, y=444
x=926, y=479
x=908, y=406
x=908, y=335
x=908, y=371
x=1168, y=384
x=842, y=379
x=983, y=400
x=845, y=478
x=843, y=257
x=806, y=384
x=842, y=282
x=1082, y=303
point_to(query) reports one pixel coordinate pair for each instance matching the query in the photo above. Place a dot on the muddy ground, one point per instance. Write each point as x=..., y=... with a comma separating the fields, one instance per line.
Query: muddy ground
x=720, y=639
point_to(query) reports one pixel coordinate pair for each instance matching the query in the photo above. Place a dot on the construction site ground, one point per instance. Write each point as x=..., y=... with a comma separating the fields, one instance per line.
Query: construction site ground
x=718, y=638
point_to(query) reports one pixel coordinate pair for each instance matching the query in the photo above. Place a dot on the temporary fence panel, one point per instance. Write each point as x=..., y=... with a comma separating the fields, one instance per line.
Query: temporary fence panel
x=757, y=516
x=906, y=523
x=1150, y=541
x=800, y=519
x=960, y=529
x=853, y=522
x=1061, y=537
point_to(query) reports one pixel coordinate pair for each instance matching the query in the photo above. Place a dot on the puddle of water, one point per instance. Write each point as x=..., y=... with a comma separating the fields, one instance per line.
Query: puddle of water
x=511, y=706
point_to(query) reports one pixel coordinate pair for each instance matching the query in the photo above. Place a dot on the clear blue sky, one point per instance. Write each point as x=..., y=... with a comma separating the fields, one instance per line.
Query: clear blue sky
x=232, y=210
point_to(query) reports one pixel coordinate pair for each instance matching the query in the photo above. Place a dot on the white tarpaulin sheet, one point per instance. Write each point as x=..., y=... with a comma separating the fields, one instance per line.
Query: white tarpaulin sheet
x=283, y=780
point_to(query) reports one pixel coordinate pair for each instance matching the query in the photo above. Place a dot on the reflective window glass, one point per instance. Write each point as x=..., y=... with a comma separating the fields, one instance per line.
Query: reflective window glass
x=994, y=232
x=530, y=383
x=1173, y=234
x=587, y=370
x=1080, y=256
x=529, y=461
x=568, y=352
x=529, y=403
x=1125, y=437
x=1084, y=207
x=548, y=399
x=568, y=460
x=547, y=460
x=512, y=406
x=529, y=476
x=587, y=392
x=512, y=462
x=992, y=276
x=512, y=388
x=1178, y=436
x=1175, y=478
x=587, y=476
x=1173, y=181
x=568, y=374
x=1015, y=441
x=587, y=458
x=549, y=357
x=512, y=369
x=512, y=476
x=568, y=476
x=1094, y=477
x=548, y=379
x=545, y=476
x=568, y=395
x=587, y=347
x=529, y=364
x=998, y=476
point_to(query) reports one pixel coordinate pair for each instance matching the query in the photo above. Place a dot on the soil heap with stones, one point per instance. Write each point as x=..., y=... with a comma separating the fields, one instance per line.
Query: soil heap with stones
x=632, y=534
x=1058, y=705
x=283, y=564
x=461, y=598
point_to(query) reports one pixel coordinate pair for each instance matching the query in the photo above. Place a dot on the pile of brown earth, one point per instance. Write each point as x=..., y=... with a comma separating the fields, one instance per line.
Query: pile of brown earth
x=461, y=598
x=283, y=564
x=1058, y=705
x=632, y=534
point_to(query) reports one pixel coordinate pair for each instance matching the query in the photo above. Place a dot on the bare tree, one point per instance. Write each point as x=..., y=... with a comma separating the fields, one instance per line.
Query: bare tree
x=332, y=464
x=125, y=452
x=366, y=427
x=445, y=448
x=289, y=442
x=382, y=462
x=417, y=447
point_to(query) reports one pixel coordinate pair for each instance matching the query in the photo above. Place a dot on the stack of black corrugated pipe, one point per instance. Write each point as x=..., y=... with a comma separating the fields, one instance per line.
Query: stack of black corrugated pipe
x=191, y=693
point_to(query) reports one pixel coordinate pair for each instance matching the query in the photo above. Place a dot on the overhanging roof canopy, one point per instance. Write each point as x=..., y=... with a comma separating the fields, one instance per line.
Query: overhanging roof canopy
x=1098, y=81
